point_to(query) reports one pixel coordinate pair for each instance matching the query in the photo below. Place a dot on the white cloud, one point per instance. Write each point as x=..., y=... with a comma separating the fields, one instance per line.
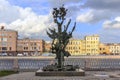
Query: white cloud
x=117, y=19
x=24, y=20
x=30, y=23
x=113, y=24
x=96, y=11
x=8, y=13
x=111, y=30
x=87, y=17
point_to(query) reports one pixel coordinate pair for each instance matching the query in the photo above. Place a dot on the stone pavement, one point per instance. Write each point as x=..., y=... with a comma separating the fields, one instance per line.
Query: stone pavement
x=90, y=75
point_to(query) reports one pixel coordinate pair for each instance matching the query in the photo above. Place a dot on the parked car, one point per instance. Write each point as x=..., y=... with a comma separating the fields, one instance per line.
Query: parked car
x=19, y=54
x=4, y=54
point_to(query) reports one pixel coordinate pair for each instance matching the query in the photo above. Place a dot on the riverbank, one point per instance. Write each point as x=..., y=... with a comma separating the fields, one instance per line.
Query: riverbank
x=52, y=57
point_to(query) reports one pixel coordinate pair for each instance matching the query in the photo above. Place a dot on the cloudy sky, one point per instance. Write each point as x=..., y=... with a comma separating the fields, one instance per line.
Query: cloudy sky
x=31, y=18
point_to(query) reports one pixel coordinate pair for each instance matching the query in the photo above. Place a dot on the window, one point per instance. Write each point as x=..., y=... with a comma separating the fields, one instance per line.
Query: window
x=3, y=34
x=34, y=47
x=10, y=36
x=4, y=44
x=34, y=43
x=4, y=48
x=3, y=39
x=25, y=48
x=10, y=48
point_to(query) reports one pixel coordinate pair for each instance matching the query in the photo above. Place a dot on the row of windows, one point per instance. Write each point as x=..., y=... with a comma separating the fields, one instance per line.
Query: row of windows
x=78, y=43
x=69, y=48
x=6, y=34
x=6, y=48
x=32, y=48
x=92, y=49
x=71, y=43
x=5, y=43
x=115, y=47
x=92, y=46
x=91, y=42
x=102, y=48
x=92, y=38
x=82, y=49
x=3, y=39
x=31, y=44
x=115, y=51
x=73, y=52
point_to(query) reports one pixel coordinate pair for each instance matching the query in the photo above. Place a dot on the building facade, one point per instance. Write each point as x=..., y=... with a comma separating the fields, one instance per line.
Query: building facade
x=8, y=41
x=10, y=44
x=92, y=45
x=74, y=47
x=104, y=49
x=88, y=46
x=114, y=48
x=30, y=46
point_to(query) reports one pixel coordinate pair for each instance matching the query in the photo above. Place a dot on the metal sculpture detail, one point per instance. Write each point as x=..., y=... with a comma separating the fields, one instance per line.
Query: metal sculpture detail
x=60, y=36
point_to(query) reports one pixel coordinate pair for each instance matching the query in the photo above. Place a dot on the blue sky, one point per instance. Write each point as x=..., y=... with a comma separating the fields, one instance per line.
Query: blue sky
x=31, y=18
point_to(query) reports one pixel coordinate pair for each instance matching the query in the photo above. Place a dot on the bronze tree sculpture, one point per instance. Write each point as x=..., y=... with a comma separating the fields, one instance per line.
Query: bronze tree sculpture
x=60, y=36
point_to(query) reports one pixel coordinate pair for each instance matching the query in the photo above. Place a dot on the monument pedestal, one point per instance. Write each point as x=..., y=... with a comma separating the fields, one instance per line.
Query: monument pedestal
x=79, y=72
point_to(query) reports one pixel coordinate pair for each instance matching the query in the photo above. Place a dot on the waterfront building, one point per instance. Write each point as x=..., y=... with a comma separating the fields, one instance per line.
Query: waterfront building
x=9, y=43
x=8, y=40
x=30, y=46
x=88, y=46
x=74, y=47
x=114, y=48
x=104, y=49
x=92, y=45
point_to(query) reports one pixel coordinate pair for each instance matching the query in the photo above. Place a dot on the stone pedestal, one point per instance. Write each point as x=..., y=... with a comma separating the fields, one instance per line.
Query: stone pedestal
x=60, y=73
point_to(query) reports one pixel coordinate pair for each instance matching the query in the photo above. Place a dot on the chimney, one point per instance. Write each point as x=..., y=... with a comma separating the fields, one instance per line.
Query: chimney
x=2, y=27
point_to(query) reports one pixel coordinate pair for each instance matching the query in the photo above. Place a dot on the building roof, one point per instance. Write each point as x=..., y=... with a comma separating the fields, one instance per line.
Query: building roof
x=3, y=29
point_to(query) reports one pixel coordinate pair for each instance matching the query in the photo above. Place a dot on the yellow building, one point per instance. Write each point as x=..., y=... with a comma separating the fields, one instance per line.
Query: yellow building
x=104, y=48
x=92, y=45
x=88, y=46
x=8, y=40
x=74, y=47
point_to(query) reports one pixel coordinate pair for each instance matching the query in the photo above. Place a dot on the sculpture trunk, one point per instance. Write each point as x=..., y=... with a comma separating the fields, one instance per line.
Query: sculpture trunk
x=60, y=61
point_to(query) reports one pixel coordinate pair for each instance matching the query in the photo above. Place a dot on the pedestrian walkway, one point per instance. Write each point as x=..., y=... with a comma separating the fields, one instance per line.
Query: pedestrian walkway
x=89, y=76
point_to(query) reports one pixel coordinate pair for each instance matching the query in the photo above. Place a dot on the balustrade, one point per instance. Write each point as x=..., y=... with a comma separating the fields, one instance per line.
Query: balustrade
x=93, y=64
